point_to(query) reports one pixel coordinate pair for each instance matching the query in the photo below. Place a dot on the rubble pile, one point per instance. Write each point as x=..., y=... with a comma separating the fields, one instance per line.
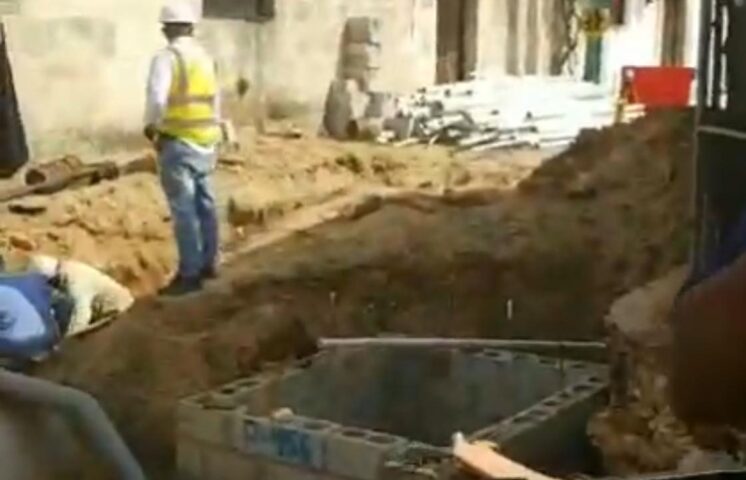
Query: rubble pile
x=639, y=432
x=485, y=114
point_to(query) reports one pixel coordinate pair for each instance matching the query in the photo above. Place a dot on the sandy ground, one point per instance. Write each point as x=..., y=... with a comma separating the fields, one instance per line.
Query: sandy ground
x=123, y=227
x=361, y=240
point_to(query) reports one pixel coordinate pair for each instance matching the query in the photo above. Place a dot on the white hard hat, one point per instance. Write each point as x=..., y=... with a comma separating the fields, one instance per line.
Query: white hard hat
x=179, y=12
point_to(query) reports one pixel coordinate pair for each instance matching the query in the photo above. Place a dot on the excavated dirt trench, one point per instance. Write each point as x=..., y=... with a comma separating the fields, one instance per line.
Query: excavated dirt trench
x=587, y=226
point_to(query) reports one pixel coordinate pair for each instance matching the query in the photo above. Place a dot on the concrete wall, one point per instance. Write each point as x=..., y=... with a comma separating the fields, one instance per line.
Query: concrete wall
x=517, y=37
x=80, y=65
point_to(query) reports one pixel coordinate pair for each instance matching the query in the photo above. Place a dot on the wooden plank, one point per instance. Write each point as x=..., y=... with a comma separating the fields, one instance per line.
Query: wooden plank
x=482, y=460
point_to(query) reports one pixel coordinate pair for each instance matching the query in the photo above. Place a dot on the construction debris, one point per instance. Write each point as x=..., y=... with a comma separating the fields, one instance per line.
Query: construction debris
x=639, y=432
x=70, y=171
x=505, y=112
x=351, y=103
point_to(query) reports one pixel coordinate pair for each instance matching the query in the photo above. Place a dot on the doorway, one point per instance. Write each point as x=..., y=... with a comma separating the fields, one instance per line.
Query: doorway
x=674, y=33
x=13, y=149
x=456, y=40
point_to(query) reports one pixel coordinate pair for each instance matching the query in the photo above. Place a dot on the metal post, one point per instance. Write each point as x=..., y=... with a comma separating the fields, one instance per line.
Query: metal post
x=704, y=99
x=717, y=52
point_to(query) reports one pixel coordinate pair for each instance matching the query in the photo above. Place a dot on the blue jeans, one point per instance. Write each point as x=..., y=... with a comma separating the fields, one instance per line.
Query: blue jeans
x=185, y=177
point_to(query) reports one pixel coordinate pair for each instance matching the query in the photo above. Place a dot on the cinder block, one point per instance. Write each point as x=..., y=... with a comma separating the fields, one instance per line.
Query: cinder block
x=259, y=396
x=208, y=424
x=295, y=441
x=501, y=356
x=363, y=75
x=276, y=471
x=224, y=464
x=363, y=30
x=360, y=454
x=419, y=461
x=551, y=435
x=189, y=459
x=362, y=55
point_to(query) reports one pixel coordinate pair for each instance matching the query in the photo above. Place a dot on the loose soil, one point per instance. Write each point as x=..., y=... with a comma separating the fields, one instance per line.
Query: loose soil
x=374, y=240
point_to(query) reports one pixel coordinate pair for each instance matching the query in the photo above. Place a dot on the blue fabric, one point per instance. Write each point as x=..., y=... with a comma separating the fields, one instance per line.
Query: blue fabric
x=726, y=253
x=34, y=287
x=185, y=177
x=27, y=328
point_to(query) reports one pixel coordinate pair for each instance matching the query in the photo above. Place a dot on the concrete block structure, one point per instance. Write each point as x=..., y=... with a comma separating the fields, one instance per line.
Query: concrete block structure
x=368, y=414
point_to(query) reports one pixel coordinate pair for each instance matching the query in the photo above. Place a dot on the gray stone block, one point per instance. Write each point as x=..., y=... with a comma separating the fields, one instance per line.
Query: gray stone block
x=363, y=30
x=295, y=441
x=359, y=454
x=223, y=464
x=197, y=421
x=362, y=56
x=189, y=459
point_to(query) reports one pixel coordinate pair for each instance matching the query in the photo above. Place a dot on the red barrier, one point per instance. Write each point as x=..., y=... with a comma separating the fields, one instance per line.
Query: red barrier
x=657, y=86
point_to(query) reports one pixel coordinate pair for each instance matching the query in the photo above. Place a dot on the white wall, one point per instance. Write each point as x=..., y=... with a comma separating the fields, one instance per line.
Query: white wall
x=639, y=41
x=80, y=65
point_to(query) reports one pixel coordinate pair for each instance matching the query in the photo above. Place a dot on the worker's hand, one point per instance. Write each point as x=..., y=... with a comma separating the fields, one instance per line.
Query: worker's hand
x=151, y=133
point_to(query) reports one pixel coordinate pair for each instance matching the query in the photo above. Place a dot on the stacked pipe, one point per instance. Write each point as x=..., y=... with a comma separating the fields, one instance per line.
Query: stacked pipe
x=502, y=112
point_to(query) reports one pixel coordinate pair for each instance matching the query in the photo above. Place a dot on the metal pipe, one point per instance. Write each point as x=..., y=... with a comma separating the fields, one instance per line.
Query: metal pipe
x=80, y=408
x=717, y=52
x=722, y=131
x=325, y=343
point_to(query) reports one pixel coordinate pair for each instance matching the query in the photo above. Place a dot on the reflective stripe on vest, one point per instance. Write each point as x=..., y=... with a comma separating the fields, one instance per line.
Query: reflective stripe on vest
x=190, y=114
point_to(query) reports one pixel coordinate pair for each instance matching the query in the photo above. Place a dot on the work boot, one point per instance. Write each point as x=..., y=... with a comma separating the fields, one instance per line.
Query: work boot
x=181, y=286
x=209, y=273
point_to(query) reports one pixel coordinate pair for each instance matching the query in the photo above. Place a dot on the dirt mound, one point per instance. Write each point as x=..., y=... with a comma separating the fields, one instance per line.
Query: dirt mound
x=123, y=227
x=544, y=261
x=653, y=150
x=640, y=432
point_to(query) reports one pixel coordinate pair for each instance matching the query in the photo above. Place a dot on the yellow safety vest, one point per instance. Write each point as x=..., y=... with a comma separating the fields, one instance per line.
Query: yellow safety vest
x=190, y=114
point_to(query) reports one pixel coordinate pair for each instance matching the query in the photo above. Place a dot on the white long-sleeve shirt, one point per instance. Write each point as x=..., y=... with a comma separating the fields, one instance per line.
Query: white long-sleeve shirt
x=160, y=78
x=87, y=286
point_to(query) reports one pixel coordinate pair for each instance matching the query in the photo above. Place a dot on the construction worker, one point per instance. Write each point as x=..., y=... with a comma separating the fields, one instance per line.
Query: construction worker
x=94, y=295
x=28, y=330
x=182, y=121
x=34, y=317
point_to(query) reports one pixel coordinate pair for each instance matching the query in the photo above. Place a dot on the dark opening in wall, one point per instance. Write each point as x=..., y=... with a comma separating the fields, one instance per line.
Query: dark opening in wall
x=456, y=40
x=13, y=148
x=249, y=10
